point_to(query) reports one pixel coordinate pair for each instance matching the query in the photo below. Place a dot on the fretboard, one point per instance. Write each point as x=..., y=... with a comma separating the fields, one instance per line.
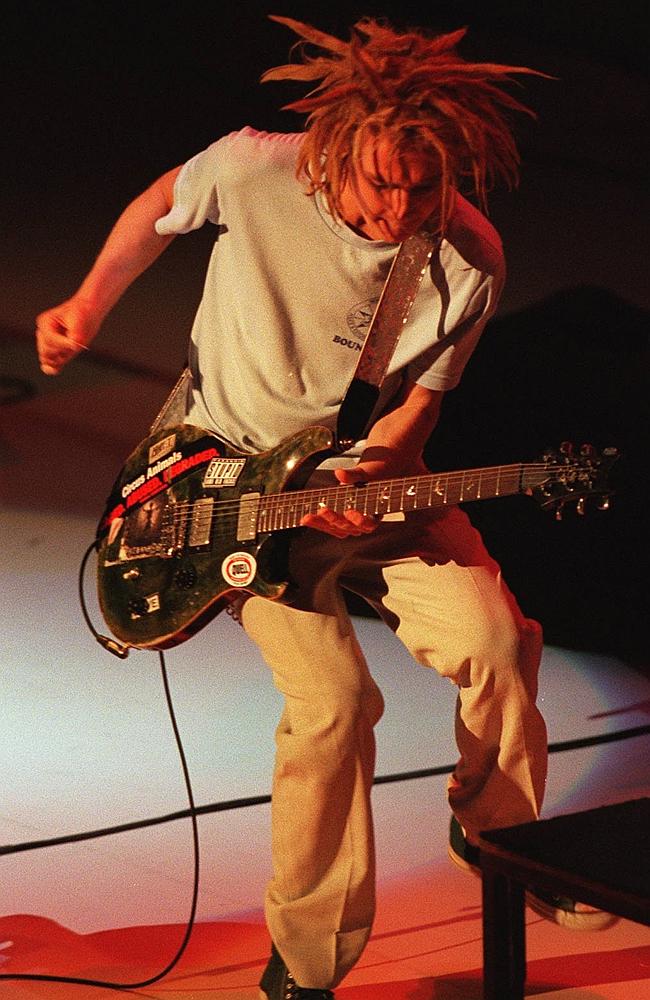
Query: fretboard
x=286, y=510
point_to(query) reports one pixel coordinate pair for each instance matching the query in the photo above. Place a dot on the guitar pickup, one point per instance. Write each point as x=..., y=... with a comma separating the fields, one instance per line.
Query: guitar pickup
x=201, y=522
x=249, y=505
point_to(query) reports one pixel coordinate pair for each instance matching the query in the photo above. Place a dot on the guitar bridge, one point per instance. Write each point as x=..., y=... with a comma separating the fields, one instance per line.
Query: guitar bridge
x=249, y=505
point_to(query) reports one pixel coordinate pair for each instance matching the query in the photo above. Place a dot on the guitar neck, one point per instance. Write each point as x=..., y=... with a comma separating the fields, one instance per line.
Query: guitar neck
x=392, y=496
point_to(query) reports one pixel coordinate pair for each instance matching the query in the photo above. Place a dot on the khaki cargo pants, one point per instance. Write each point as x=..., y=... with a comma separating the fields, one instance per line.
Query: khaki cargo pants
x=435, y=585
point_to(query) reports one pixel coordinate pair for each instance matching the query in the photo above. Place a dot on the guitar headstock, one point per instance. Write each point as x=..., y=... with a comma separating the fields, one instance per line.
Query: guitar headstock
x=571, y=475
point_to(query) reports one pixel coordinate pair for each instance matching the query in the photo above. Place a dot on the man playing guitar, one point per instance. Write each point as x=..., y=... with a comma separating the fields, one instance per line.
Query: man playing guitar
x=307, y=226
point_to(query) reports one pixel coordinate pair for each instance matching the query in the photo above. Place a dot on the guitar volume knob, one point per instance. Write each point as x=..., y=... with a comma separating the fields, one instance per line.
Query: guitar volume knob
x=138, y=606
x=185, y=578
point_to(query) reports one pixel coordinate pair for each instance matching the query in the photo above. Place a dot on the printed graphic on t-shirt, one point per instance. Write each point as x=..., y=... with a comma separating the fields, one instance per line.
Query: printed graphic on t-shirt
x=358, y=320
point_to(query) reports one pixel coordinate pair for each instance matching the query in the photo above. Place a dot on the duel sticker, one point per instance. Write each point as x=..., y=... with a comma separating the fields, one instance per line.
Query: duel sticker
x=239, y=569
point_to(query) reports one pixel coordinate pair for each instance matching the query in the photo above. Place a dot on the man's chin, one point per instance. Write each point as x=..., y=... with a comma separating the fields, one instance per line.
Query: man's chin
x=393, y=233
x=381, y=231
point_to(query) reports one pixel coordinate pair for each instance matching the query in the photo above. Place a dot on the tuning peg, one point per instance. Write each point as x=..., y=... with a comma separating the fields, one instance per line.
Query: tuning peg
x=587, y=450
x=566, y=448
x=558, y=511
x=580, y=506
x=604, y=504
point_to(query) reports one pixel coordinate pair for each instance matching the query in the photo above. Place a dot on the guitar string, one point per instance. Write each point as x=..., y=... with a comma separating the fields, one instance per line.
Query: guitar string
x=377, y=491
x=420, y=480
x=342, y=491
x=284, y=503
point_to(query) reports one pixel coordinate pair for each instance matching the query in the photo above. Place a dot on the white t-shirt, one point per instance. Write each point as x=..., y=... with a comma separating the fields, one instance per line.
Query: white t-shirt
x=289, y=294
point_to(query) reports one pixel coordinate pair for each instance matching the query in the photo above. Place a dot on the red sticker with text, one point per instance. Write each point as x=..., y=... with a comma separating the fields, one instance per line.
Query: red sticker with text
x=239, y=568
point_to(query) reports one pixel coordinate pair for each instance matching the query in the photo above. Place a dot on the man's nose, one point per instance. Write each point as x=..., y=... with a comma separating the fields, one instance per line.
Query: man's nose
x=401, y=202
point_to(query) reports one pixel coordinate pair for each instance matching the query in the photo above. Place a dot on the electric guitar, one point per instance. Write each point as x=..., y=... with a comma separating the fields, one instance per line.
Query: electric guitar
x=191, y=521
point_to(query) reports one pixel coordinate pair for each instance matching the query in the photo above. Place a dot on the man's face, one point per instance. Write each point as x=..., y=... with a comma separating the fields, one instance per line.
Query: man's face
x=389, y=194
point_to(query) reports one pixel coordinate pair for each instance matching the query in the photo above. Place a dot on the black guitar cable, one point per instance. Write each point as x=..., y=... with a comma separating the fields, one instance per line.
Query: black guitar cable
x=123, y=651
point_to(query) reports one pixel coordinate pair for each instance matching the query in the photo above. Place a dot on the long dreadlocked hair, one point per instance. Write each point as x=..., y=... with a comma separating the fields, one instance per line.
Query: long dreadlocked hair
x=416, y=89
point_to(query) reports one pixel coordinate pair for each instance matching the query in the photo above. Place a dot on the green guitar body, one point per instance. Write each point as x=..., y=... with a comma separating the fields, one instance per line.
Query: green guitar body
x=191, y=521
x=179, y=536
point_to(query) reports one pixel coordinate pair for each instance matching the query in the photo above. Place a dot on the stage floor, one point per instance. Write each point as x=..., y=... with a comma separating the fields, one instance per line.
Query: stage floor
x=87, y=745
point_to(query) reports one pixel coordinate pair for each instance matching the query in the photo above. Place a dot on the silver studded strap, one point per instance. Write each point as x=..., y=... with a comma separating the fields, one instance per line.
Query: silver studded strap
x=391, y=313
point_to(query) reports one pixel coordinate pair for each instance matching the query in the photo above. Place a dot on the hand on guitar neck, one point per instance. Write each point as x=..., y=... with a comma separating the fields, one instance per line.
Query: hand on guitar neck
x=375, y=464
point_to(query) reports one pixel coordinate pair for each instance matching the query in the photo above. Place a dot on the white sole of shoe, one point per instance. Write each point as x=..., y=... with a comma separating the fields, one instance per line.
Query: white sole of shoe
x=461, y=863
x=589, y=920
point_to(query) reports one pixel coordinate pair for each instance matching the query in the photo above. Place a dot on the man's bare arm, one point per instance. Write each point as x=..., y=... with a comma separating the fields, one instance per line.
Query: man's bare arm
x=132, y=246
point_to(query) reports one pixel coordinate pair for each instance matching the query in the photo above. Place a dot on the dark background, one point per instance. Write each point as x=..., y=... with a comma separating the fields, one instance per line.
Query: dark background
x=100, y=98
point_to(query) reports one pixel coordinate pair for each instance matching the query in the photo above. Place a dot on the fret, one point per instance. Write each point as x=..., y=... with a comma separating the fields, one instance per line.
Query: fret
x=453, y=490
x=487, y=483
x=382, y=498
x=510, y=480
x=262, y=519
x=469, y=486
x=412, y=493
x=350, y=498
x=437, y=493
x=288, y=512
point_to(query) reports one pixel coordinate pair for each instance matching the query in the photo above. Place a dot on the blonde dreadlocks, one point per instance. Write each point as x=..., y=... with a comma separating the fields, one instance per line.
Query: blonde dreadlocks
x=414, y=88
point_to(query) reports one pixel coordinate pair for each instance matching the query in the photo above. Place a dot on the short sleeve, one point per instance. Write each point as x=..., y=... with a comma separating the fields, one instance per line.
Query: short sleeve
x=441, y=366
x=195, y=194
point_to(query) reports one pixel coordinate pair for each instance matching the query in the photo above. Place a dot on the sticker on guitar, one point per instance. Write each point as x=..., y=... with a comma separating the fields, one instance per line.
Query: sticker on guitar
x=223, y=472
x=239, y=568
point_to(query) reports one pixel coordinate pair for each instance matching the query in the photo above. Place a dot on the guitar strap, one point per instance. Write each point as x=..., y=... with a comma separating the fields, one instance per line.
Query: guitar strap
x=174, y=408
x=391, y=313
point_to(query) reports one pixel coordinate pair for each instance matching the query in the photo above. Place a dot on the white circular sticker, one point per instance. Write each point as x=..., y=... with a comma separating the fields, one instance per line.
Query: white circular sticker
x=239, y=569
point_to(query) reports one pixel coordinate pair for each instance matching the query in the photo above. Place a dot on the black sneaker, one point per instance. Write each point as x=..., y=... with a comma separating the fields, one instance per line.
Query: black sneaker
x=558, y=909
x=460, y=851
x=277, y=983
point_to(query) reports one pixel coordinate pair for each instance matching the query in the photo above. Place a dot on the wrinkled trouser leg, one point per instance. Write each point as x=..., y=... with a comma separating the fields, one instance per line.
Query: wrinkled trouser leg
x=436, y=586
x=320, y=903
x=459, y=617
